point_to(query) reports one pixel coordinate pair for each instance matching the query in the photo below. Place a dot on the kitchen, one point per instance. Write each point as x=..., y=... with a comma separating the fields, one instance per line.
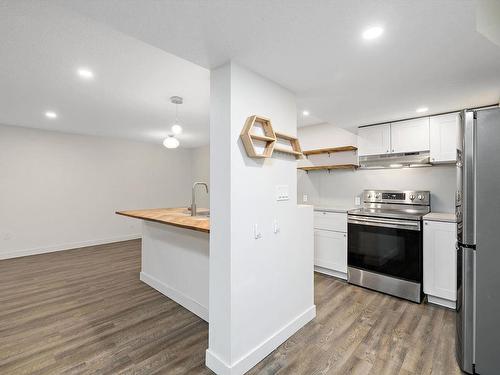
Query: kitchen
x=177, y=197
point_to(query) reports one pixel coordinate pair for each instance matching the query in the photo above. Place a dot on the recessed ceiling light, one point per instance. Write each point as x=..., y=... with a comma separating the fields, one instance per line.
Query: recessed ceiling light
x=85, y=73
x=176, y=129
x=305, y=113
x=50, y=114
x=422, y=109
x=373, y=32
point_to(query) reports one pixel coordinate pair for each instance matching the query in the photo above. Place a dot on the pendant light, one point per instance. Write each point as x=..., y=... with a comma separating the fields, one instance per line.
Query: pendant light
x=176, y=129
x=171, y=142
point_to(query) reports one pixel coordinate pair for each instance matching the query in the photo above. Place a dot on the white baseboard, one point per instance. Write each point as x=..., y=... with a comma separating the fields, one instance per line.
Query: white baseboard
x=262, y=350
x=329, y=272
x=175, y=295
x=441, y=302
x=67, y=246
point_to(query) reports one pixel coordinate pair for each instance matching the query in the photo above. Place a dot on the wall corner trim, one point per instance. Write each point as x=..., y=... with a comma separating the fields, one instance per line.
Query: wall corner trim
x=175, y=295
x=258, y=353
x=67, y=246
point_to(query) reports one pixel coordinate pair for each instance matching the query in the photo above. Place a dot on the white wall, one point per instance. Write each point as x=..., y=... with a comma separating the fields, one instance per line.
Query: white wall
x=340, y=187
x=60, y=191
x=201, y=172
x=325, y=135
x=261, y=290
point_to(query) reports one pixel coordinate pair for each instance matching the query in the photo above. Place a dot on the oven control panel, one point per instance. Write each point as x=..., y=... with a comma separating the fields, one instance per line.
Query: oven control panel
x=414, y=197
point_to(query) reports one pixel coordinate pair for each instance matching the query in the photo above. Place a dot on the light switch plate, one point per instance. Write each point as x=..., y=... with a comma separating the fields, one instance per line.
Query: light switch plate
x=282, y=193
x=357, y=201
x=304, y=198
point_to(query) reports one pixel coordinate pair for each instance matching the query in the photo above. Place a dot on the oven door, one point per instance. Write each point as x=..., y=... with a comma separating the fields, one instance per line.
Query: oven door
x=391, y=247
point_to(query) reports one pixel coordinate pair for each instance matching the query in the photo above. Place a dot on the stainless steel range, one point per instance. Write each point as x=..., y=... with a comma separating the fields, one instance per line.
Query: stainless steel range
x=385, y=242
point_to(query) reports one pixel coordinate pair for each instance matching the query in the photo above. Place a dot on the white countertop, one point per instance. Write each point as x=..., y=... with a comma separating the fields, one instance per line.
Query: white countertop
x=441, y=216
x=338, y=209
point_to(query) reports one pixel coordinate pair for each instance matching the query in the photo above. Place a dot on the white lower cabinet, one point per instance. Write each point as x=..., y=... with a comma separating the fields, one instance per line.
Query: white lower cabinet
x=330, y=244
x=440, y=263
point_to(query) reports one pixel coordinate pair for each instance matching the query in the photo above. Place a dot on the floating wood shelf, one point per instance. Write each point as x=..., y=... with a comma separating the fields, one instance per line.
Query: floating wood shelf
x=329, y=167
x=329, y=150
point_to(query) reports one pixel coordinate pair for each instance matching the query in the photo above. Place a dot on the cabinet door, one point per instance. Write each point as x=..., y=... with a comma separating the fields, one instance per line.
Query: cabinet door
x=330, y=250
x=444, y=138
x=374, y=140
x=440, y=260
x=410, y=135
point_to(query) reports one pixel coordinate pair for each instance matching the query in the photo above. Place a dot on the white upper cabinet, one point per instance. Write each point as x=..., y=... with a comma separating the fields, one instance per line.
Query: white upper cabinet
x=444, y=138
x=410, y=135
x=374, y=140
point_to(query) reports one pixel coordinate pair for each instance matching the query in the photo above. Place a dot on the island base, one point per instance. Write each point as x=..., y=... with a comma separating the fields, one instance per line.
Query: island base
x=175, y=262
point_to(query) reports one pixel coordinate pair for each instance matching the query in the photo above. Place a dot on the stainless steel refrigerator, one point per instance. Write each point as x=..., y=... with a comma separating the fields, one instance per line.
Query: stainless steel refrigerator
x=478, y=242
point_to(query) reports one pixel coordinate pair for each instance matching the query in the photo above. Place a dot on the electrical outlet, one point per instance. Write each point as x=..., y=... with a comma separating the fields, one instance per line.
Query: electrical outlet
x=282, y=192
x=304, y=198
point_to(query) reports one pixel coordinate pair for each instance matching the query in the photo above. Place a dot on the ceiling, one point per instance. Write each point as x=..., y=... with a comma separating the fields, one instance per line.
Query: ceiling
x=429, y=55
x=41, y=49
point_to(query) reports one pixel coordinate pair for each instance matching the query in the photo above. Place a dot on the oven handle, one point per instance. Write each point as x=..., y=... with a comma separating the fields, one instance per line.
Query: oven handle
x=387, y=223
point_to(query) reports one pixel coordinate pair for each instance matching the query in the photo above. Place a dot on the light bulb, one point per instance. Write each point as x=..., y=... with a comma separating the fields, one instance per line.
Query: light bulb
x=85, y=73
x=373, y=32
x=176, y=129
x=171, y=142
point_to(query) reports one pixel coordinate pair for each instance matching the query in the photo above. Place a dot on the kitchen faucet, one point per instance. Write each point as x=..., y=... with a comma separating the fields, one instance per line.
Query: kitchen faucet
x=193, y=200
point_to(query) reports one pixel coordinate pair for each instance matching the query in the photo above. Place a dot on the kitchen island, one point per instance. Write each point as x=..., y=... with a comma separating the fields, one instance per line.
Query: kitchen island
x=175, y=255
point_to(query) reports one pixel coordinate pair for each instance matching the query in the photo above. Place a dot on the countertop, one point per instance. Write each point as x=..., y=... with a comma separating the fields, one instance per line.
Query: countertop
x=338, y=209
x=441, y=216
x=178, y=217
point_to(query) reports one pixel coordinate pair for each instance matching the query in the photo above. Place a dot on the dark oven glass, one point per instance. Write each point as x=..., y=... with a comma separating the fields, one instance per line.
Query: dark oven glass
x=390, y=251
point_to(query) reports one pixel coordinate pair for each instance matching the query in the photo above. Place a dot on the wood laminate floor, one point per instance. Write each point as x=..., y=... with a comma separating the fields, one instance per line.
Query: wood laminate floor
x=84, y=311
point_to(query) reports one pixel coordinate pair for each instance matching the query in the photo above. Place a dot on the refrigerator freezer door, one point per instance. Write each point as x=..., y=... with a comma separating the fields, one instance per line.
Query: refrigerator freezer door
x=487, y=357
x=465, y=308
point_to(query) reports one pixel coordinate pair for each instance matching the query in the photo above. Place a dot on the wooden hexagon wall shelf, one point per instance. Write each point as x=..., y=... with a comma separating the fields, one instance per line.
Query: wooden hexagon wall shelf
x=267, y=137
x=293, y=145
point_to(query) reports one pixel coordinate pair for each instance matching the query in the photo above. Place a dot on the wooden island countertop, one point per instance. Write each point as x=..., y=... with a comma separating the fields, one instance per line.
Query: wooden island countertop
x=178, y=217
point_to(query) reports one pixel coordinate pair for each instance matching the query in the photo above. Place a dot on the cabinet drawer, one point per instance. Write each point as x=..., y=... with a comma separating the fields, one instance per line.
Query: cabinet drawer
x=335, y=221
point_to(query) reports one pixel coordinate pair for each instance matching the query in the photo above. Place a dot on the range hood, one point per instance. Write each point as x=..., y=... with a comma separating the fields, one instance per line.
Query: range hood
x=403, y=160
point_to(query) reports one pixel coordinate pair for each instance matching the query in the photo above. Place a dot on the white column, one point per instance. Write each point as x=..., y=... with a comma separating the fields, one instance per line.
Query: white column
x=261, y=290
